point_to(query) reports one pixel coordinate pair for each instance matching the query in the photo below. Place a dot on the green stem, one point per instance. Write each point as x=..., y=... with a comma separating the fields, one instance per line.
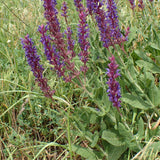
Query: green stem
x=68, y=132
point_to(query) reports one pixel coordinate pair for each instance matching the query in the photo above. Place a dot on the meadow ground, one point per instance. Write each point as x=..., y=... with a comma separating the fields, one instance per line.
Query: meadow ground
x=80, y=122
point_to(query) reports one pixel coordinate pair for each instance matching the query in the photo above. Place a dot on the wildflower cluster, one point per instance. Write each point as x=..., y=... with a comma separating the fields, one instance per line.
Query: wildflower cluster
x=60, y=51
x=107, y=22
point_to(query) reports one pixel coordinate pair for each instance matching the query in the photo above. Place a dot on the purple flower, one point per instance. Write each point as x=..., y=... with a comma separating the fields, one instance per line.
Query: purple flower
x=37, y=69
x=50, y=51
x=112, y=19
x=132, y=4
x=62, y=57
x=64, y=9
x=151, y=0
x=54, y=26
x=78, y=5
x=141, y=5
x=51, y=15
x=100, y=16
x=107, y=22
x=83, y=34
x=70, y=41
x=114, y=87
x=90, y=6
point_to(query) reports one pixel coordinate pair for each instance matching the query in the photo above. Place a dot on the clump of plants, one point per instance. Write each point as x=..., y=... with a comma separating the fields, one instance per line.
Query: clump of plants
x=104, y=102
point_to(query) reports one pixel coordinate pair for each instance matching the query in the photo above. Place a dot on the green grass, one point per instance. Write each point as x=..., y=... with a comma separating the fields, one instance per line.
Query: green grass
x=34, y=127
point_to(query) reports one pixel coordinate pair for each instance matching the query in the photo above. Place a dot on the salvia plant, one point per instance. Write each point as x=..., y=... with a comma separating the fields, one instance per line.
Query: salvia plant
x=60, y=53
x=59, y=49
x=98, y=70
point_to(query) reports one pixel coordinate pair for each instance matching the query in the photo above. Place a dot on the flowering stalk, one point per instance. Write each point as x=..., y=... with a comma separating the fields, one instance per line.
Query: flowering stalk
x=54, y=27
x=78, y=5
x=100, y=16
x=114, y=87
x=141, y=5
x=64, y=11
x=132, y=4
x=83, y=34
x=65, y=56
x=37, y=69
x=50, y=51
x=68, y=32
x=70, y=41
x=90, y=6
x=112, y=19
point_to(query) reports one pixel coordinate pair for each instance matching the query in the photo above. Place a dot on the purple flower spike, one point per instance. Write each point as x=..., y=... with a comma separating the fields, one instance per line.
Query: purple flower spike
x=70, y=41
x=90, y=6
x=51, y=15
x=37, y=69
x=46, y=41
x=83, y=34
x=78, y=5
x=64, y=9
x=114, y=87
x=50, y=51
x=132, y=4
x=112, y=18
x=141, y=5
x=100, y=16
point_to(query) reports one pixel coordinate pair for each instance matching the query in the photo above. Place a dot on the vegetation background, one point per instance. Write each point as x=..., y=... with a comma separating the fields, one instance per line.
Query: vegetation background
x=78, y=125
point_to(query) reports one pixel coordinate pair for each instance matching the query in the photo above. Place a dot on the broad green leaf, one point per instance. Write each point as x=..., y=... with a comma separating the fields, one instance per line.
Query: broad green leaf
x=148, y=66
x=112, y=138
x=154, y=94
x=124, y=132
x=114, y=152
x=95, y=139
x=143, y=55
x=155, y=46
x=128, y=137
x=140, y=128
x=93, y=118
x=135, y=101
x=154, y=147
x=84, y=152
x=98, y=93
x=132, y=34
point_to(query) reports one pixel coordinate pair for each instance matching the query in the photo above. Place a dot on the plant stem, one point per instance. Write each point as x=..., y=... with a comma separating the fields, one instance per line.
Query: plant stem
x=68, y=132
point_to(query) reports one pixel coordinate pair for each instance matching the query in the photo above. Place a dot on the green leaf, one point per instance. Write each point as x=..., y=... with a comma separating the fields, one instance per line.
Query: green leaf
x=140, y=128
x=155, y=146
x=112, y=138
x=98, y=93
x=143, y=55
x=154, y=94
x=133, y=34
x=84, y=152
x=95, y=139
x=93, y=118
x=124, y=132
x=154, y=46
x=148, y=66
x=130, y=67
x=135, y=101
x=128, y=137
x=115, y=152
